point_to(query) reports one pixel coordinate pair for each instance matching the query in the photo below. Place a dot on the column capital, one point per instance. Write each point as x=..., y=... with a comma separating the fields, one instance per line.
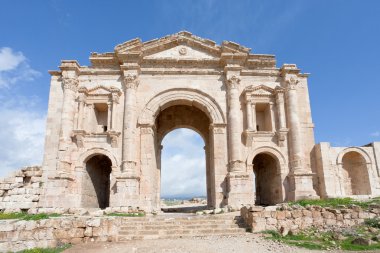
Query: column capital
x=233, y=81
x=115, y=98
x=291, y=82
x=218, y=128
x=82, y=97
x=147, y=128
x=70, y=84
x=131, y=81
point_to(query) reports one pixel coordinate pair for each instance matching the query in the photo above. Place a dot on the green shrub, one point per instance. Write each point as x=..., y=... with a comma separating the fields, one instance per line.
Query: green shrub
x=372, y=222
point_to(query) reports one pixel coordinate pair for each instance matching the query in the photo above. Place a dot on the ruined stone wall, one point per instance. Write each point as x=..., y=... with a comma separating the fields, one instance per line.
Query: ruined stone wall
x=21, y=190
x=294, y=219
x=347, y=171
x=16, y=235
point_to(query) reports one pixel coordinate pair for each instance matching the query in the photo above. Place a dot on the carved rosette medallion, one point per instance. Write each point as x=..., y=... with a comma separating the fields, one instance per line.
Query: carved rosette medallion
x=233, y=82
x=182, y=51
x=70, y=84
x=131, y=81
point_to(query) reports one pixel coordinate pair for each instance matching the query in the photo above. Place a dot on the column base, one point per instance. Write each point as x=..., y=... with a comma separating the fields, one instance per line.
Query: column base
x=125, y=191
x=302, y=186
x=236, y=166
x=239, y=189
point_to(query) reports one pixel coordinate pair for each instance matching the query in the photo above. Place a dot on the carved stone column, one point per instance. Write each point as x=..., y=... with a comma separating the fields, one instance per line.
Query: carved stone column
x=70, y=86
x=272, y=116
x=248, y=106
x=297, y=156
x=300, y=176
x=280, y=109
x=81, y=100
x=131, y=83
x=115, y=101
x=254, y=124
x=109, y=115
x=234, y=119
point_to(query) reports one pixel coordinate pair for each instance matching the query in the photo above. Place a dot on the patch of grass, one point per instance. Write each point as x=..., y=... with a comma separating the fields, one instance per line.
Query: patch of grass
x=8, y=216
x=40, y=216
x=372, y=222
x=127, y=214
x=25, y=216
x=347, y=245
x=46, y=250
x=336, y=202
x=301, y=240
x=313, y=239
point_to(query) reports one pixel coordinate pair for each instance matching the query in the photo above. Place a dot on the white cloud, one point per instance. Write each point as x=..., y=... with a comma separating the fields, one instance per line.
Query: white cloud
x=14, y=67
x=375, y=134
x=22, y=137
x=22, y=124
x=183, y=170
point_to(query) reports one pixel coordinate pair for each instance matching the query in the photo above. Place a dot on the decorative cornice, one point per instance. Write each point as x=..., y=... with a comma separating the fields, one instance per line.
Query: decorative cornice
x=70, y=84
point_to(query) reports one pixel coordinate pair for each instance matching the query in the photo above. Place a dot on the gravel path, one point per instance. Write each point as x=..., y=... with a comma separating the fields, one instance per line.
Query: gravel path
x=210, y=244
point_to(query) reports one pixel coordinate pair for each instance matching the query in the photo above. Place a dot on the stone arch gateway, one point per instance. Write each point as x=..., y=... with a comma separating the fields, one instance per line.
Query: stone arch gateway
x=241, y=103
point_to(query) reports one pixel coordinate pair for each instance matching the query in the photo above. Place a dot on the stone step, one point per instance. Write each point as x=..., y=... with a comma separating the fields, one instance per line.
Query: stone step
x=180, y=221
x=183, y=231
x=178, y=226
x=177, y=222
x=180, y=234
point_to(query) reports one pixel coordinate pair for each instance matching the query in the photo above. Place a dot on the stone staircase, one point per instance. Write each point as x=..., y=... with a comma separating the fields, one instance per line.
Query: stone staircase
x=168, y=227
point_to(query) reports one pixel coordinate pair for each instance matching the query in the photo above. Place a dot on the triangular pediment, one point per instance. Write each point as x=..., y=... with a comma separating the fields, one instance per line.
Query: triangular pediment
x=181, y=52
x=260, y=90
x=99, y=90
x=179, y=45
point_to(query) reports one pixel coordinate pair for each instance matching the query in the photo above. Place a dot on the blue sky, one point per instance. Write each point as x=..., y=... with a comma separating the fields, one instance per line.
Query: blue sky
x=336, y=41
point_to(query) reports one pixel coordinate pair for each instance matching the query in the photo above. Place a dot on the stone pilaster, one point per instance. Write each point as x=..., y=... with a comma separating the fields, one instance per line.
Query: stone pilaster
x=301, y=176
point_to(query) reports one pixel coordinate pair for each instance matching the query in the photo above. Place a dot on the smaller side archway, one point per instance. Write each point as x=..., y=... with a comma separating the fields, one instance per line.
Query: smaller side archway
x=97, y=182
x=96, y=166
x=354, y=174
x=268, y=166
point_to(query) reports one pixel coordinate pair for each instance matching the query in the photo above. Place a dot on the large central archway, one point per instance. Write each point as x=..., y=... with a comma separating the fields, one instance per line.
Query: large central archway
x=183, y=108
x=184, y=116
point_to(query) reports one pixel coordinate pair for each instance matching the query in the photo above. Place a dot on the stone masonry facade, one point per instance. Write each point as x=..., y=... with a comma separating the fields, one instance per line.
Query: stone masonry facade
x=106, y=123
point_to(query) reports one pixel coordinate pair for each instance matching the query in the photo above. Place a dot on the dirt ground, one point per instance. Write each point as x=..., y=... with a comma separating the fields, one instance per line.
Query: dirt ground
x=209, y=244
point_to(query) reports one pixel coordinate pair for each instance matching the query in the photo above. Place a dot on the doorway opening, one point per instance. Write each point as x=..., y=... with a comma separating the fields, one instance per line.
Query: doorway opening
x=267, y=180
x=96, y=183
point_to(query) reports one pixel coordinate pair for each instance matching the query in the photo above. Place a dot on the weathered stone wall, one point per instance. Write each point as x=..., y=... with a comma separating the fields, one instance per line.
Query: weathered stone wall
x=298, y=218
x=17, y=235
x=21, y=190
